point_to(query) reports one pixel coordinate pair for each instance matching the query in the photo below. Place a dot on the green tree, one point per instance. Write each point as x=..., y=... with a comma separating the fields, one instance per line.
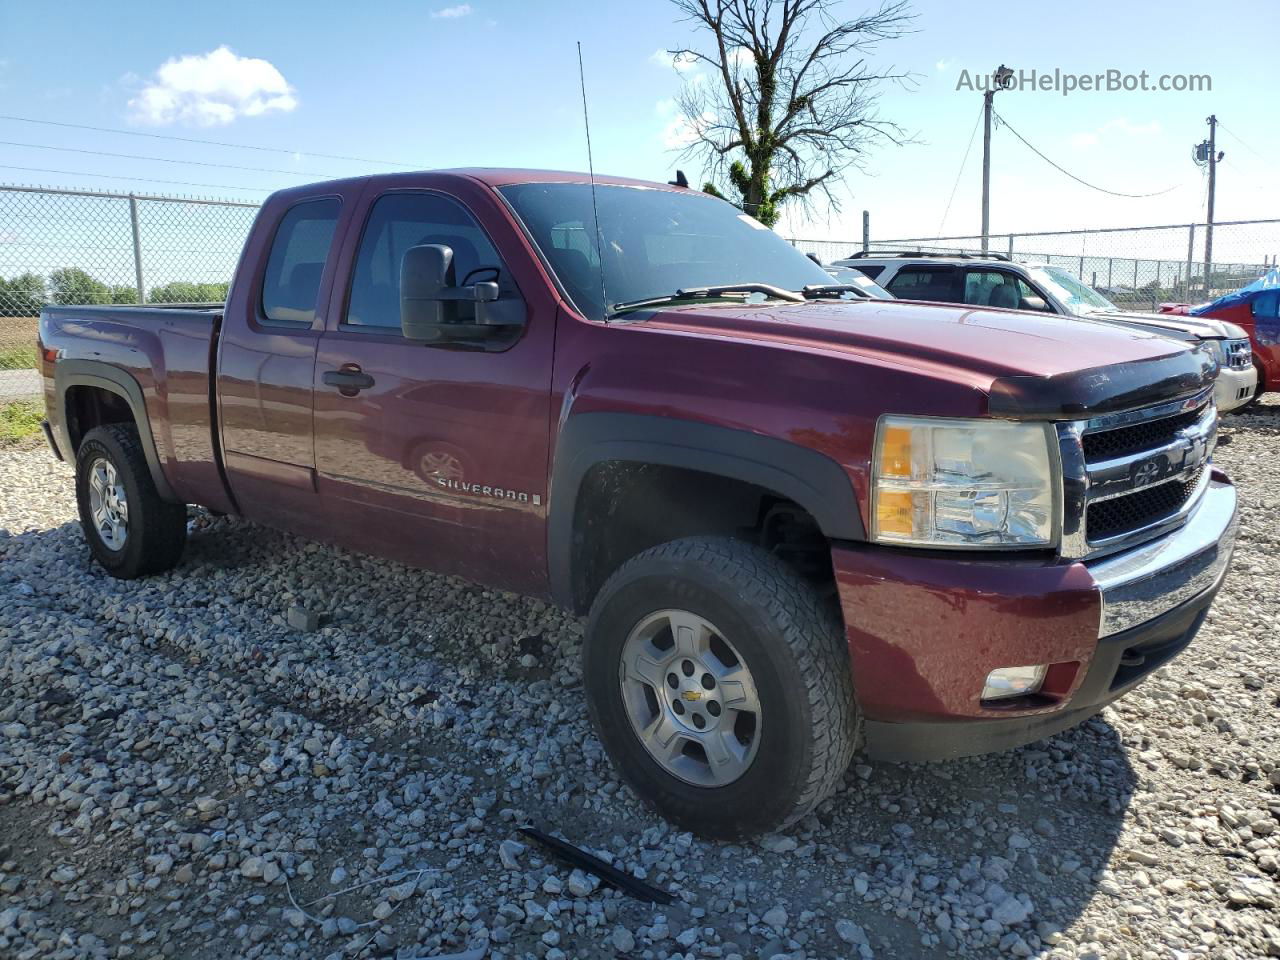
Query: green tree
x=73, y=286
x=184, y=291
x=788, y=100
x=123, y=293
x=23, y=296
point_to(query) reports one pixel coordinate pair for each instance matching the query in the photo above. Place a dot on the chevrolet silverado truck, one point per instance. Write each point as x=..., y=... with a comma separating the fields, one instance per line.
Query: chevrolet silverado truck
x=800, y=524
x=995, y=280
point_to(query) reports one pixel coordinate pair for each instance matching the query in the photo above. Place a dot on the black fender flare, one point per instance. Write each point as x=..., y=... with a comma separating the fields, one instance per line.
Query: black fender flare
x=809, y=478
x=104, y=376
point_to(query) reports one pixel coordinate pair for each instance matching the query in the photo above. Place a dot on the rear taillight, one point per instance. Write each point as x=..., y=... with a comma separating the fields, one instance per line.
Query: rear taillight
x=48, y=354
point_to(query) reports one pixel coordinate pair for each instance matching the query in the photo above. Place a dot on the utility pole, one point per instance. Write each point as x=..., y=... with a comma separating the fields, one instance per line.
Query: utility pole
x=999, y=81
x=1213, y=183
x=1207, y=153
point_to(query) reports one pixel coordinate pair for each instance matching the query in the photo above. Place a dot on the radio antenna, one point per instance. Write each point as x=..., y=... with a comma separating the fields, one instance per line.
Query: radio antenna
x=591, y=172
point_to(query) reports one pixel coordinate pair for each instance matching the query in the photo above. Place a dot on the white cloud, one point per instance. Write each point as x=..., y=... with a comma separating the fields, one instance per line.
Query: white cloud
x=1086, y=139
x=678, y=131
x=680, y=62
x=452, y=13
x=212, y=89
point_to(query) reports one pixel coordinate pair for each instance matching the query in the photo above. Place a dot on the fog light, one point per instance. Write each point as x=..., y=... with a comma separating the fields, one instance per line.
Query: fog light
x=1013, y=682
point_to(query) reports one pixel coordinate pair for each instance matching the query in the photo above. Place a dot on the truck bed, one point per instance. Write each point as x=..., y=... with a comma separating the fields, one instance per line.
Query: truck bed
x=168, y=353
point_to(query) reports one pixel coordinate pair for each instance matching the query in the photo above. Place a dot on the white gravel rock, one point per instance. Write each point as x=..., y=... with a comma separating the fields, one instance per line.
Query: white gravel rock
x=178, y=766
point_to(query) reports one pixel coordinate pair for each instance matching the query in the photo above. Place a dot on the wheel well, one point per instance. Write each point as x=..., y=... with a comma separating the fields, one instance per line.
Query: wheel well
x=87, y=407
x=625, y=507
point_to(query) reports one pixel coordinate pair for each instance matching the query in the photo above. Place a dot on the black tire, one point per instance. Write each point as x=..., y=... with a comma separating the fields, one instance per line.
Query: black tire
x=157, y=529
x=795, y=650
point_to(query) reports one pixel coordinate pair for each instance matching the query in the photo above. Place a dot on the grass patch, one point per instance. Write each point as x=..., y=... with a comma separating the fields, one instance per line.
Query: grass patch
x=20, y=421
x=17, y=358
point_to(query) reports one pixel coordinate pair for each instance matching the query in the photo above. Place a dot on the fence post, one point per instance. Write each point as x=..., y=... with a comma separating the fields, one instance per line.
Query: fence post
x=1191, y=249
x=1011, y=246
x=866, y=231
x=137, y=250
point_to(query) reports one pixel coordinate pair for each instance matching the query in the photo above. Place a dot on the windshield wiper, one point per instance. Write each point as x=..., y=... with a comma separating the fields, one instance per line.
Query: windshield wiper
x=815, y=290
x=693, y=293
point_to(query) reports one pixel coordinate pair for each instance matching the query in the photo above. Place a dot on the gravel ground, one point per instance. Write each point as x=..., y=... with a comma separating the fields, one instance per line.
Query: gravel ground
x=182, y=774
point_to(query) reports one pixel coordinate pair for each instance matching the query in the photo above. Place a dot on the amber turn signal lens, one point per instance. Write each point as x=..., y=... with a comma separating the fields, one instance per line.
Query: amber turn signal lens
x=895, y=452
x=894, y=512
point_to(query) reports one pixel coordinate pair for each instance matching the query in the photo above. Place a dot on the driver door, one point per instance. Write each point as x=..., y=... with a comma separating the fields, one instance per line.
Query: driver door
x=433, y=454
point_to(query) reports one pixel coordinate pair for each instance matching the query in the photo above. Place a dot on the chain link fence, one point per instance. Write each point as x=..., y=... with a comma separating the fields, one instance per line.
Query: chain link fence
x=1137, y=268
x=74, y=247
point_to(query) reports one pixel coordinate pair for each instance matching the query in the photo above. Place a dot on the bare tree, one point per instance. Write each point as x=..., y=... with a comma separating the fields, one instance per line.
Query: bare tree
x=790, y=103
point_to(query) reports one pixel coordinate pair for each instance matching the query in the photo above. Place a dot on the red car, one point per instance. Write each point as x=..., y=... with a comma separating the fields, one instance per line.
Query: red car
x=801, y=524
x=1256, y=308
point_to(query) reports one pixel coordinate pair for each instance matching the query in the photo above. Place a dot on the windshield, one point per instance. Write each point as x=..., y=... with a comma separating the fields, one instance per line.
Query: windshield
x=655, y=243
x=1078, y=297
x=860, y=280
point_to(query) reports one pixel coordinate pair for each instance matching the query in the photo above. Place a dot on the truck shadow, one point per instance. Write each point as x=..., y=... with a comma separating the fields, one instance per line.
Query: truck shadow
x=948, y=842
x=902, y=850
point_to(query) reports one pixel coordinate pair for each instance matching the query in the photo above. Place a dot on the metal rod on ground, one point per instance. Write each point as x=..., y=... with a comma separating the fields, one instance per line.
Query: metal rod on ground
x=137, y=249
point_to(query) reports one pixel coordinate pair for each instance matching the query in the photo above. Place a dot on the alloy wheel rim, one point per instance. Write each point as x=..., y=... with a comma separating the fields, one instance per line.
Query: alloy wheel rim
x=108, y=504
x=690, y=698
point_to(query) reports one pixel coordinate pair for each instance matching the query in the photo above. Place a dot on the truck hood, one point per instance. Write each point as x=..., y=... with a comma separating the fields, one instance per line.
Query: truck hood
x=1172, y=325
x=1031, y=365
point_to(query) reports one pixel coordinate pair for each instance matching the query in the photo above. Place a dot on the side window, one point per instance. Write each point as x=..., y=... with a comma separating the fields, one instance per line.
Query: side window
x=872, y=272
x=399, y=221
x=291, y=284
x=995, y=288
x=924, y=283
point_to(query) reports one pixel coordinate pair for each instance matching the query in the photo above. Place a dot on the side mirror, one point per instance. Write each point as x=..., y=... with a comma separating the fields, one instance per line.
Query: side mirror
x=425, y=272
x=1033, y=303
x=429, y=300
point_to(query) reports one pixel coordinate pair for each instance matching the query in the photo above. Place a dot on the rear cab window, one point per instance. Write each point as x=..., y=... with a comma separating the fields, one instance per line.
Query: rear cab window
x=291, y=282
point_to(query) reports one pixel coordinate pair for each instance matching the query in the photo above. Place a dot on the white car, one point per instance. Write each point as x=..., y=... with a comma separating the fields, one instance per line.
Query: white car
x=993, y=280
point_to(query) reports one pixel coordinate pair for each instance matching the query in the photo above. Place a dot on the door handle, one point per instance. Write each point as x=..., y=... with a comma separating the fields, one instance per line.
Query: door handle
x=348, y=381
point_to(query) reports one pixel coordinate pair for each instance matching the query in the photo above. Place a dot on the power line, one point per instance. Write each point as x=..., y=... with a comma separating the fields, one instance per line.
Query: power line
x=134, y=156
x=1091, y=186
x=207, y=143
x=973, y=133
x=112, y=176
x=1242, y=143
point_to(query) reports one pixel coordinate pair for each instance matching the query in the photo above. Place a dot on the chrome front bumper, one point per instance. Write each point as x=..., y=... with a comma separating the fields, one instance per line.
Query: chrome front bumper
x=1148, y=580
x=1234, y=387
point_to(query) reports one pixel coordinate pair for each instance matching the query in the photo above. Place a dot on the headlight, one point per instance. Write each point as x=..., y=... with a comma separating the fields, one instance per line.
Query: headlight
x=962, y=483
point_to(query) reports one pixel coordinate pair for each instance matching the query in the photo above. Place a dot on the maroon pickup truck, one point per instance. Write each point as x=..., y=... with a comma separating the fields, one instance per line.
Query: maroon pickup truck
x=801, y=524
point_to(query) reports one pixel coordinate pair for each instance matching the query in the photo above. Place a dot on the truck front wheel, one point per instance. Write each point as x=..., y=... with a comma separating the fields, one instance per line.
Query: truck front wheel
x=131, y=532
x=720, y=686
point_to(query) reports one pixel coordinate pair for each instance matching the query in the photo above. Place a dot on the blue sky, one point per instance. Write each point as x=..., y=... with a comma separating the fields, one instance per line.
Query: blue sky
x=494, y=82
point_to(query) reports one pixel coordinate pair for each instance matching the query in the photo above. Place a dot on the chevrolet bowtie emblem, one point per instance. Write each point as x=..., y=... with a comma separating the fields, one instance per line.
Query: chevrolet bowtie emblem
x=691, y=695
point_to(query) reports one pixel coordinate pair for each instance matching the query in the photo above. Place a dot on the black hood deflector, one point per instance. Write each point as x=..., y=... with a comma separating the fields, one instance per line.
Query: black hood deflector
x=1080, y=394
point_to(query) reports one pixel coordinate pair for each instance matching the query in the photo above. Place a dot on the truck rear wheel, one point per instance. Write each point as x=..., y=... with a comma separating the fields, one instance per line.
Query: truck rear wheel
x=720, y=686
x=131, y=532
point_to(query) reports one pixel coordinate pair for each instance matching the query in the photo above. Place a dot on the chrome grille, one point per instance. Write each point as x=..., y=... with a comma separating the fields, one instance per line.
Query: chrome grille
x=1120, y=515
x=1239, y=354
x=1131, y=476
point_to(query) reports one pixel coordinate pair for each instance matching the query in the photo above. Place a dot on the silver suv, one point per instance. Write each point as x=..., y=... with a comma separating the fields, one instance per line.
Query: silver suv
x=993, y=280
